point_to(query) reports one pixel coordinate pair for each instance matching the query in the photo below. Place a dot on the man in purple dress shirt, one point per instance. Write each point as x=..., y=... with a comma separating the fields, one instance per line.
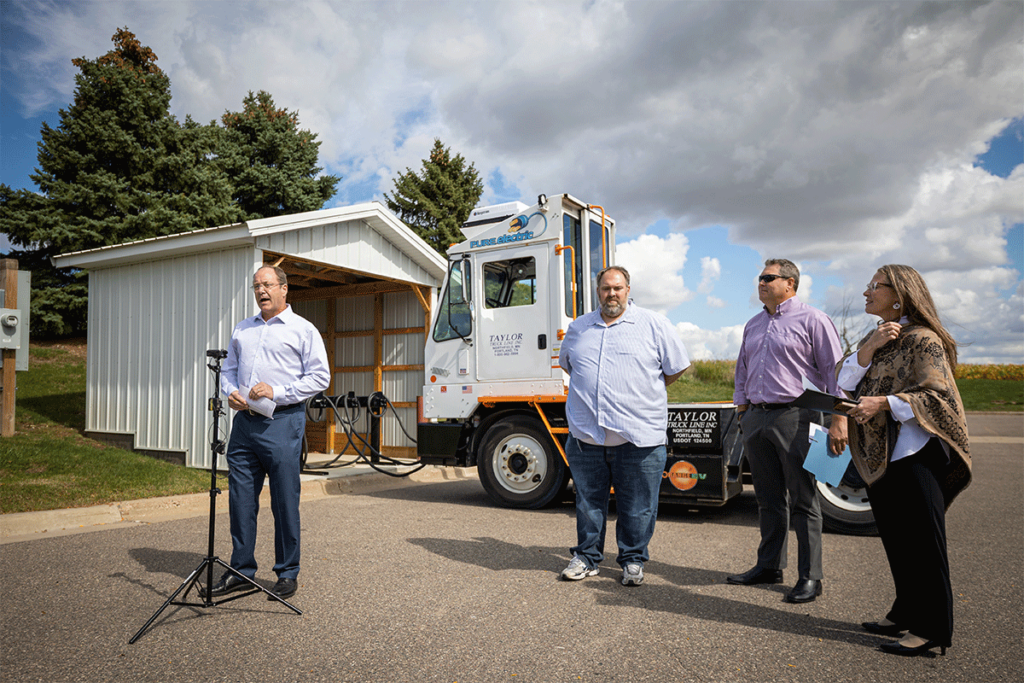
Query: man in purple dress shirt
x=787, y=341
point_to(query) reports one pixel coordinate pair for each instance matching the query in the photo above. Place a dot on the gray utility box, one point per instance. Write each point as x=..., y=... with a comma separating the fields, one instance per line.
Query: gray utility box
x=14, y=320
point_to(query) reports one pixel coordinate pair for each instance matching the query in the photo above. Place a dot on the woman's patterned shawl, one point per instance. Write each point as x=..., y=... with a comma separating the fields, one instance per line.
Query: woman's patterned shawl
x=912, y=367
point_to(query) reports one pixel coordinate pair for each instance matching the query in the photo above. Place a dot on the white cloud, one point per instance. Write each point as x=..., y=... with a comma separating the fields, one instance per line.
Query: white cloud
x=784, y=120
x=654, y=266
x=723, y=344
x=710, y=271
x=715, y=302
x=838, y=134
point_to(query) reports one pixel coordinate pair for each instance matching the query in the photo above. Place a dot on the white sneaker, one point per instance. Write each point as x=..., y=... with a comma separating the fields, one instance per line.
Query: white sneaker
x=578, y=569
x=632, y=575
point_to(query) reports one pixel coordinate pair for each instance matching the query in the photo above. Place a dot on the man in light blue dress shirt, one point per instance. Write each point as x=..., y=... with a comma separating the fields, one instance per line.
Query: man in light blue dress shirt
x=280, y=356
x=620, y=360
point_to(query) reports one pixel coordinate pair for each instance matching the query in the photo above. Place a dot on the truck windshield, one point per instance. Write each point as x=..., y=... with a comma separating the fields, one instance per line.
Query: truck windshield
x=454, y=320
x=573, y=263
x=598, y=260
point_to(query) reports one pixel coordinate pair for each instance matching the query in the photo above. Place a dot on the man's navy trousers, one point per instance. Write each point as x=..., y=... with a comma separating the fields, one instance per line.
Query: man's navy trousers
x=263, y=447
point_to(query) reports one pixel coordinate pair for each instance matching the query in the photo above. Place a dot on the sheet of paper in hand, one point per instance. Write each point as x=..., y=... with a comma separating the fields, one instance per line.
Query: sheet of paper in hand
x=263, y=406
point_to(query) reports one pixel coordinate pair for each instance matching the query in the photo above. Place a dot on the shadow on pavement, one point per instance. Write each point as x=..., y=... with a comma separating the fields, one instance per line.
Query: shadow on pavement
x=677, y=598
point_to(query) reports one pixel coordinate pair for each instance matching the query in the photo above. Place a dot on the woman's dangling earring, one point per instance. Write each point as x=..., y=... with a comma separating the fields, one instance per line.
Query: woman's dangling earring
x=896, y=306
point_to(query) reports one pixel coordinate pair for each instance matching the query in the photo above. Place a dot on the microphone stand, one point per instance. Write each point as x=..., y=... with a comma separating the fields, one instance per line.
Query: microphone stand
x=217, y=447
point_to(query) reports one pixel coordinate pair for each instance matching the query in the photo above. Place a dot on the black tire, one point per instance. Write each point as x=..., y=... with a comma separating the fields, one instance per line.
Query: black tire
x=518, y=464
x=845, y=509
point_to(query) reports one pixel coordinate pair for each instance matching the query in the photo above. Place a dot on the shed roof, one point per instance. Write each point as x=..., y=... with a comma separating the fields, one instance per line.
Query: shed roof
x=374, y=214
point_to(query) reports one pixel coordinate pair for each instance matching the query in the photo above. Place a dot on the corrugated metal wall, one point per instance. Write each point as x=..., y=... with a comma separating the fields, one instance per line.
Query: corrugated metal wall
x=351, y=244
x=402, y=310
x=150, y=325
x=313, y=311
x=353, y=315
x=355, y=340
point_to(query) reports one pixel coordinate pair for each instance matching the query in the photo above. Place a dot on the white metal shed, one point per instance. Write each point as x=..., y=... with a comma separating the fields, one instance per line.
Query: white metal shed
x=156, y=306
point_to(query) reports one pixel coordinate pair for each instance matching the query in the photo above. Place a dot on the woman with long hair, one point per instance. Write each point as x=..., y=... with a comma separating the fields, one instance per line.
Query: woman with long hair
x=908, y=438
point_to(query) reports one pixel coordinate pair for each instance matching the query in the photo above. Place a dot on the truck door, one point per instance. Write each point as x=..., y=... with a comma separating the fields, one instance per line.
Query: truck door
x=514, y=341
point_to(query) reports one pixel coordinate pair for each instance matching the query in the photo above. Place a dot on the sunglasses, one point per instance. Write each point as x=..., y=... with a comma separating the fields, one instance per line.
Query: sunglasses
x=770, y=278
x=872, y=286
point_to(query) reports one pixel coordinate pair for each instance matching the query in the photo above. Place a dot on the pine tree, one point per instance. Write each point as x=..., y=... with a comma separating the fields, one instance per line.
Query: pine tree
x=271, y=162
x=117, y=168
x=436, y=203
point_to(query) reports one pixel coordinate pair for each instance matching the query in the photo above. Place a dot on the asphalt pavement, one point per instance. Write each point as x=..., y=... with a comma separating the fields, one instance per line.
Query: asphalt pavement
x=423, y=579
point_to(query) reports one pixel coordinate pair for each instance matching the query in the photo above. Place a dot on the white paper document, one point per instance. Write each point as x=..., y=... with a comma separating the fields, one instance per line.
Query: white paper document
x=263, y=406
x=822, y=462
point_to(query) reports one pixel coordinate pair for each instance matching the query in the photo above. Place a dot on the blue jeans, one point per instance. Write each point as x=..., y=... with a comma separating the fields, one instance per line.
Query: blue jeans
x=259, y=448
x=635, y=473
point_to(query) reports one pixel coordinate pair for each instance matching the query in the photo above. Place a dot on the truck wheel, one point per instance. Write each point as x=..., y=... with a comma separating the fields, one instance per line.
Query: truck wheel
x=518, y=464
x=845, y=508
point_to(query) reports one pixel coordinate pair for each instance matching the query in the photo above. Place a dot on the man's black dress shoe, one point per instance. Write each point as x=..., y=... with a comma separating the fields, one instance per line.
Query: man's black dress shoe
x=897, y=648
x=878, y=629
x=755, y=576
x=805, y=590
x=229, y=583
x=284, y=588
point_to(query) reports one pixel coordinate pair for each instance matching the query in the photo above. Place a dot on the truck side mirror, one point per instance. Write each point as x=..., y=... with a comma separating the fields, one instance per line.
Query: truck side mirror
x=460, y=274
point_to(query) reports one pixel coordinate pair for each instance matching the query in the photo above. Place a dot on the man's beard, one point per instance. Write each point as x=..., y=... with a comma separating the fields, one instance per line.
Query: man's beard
x=612, y=308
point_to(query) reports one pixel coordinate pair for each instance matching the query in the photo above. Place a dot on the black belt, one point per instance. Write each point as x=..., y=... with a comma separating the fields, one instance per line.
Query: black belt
x=771, y=406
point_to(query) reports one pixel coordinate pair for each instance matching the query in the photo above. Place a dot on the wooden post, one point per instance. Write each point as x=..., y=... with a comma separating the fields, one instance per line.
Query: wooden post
x=9, y=278
x=422, y=295
x=331, y=339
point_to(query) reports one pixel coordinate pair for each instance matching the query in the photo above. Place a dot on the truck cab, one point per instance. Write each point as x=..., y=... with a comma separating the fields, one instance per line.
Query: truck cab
x=493, y=393
x=513, y=286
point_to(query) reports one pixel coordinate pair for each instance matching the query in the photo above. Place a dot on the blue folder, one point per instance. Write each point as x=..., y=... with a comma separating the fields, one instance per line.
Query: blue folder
x=821, y=462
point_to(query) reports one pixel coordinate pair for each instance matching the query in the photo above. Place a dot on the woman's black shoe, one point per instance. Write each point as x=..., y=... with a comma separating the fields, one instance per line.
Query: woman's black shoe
x=897, y=648
x=889, y=630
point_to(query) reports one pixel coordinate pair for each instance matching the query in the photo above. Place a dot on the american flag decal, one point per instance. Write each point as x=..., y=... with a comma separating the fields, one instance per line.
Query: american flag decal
x=467, y=389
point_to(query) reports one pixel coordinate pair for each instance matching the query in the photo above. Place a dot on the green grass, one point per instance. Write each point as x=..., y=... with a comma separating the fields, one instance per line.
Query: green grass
x=991, y=394
x=48, y=464
x=708, y=380
x=46, y=472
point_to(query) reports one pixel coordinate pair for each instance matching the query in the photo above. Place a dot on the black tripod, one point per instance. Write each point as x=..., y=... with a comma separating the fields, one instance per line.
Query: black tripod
x=216, y=447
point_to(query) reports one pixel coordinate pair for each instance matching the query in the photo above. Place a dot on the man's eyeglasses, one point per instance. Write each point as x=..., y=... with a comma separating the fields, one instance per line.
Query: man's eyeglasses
x=872, y=286
x=265, y=285
x=770, y=278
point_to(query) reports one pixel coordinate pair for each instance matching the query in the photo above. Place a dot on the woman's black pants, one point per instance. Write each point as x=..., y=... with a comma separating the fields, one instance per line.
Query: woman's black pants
x=910, y=510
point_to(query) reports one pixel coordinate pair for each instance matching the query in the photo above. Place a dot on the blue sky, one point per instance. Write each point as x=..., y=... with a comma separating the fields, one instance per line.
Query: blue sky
x=841, y=135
